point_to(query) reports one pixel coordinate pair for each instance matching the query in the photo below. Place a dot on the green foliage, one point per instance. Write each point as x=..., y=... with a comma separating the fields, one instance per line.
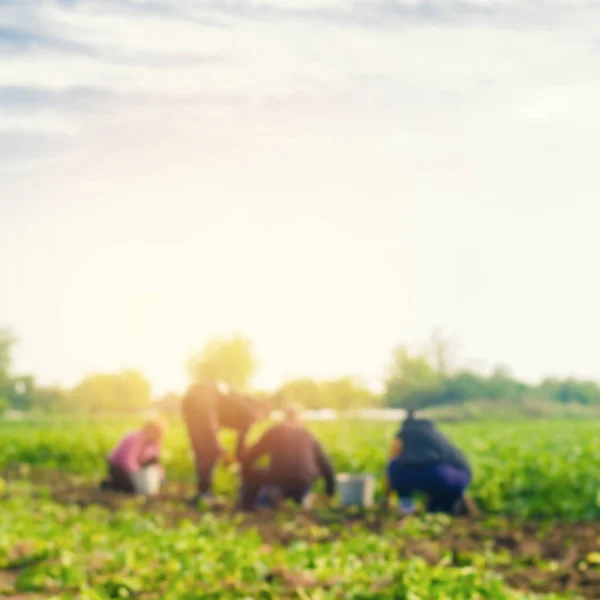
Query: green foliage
x=518, y=467
x=348, y=393
x=47, y=399
x=419, y=382
x=7, y=343
x=21, y=392
x=110, y=392
x=542, y=470
x=571, y=391
x=64, y=551
x=413, y=382
x=305, y=391
x=226, y=360
x=338, y=394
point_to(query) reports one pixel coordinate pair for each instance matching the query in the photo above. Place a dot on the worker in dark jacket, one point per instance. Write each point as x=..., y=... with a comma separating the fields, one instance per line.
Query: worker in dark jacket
x=297, y=461
x=205, y=411
x=423, y=460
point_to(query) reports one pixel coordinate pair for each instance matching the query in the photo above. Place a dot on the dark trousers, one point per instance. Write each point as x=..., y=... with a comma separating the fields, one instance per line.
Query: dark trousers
x=260, y=486
x=444, y=485
x=119, y=480
x=205, y=460
x=205, y=447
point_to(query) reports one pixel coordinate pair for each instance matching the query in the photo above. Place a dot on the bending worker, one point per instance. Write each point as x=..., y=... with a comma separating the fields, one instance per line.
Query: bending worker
x=423, y=460
x=135, y=451
x=297, y=461
x=205, y=410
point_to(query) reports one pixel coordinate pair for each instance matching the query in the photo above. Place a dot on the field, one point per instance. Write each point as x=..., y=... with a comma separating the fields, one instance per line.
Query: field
x=536, y=483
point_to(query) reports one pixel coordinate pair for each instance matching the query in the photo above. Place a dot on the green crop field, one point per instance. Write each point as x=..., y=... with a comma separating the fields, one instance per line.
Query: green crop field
x=536, y=483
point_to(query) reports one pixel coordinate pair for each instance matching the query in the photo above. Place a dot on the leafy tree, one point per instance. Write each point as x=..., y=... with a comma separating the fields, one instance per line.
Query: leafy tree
x=4, y=405
x=571, y=391
x=348, y=393
x=22, y=389
x=412, y=382
x=304, y=391
x=7, y=342
x=501, y=385
x=47, y=399
x=225, y=360
x=128, y=390
x=339, y=394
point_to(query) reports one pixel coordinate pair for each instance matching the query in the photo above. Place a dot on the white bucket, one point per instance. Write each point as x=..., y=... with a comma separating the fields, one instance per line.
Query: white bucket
x=147, y=480
x=356, y=490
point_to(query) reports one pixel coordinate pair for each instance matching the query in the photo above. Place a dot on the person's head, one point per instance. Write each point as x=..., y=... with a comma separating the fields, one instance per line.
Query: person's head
x=292, y=415
x=154, y=429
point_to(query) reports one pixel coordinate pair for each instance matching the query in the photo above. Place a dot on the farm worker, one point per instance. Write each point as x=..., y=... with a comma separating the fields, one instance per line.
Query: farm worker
x=423, y=460
x=296, y=461
x=205, y=410
x=134, y=452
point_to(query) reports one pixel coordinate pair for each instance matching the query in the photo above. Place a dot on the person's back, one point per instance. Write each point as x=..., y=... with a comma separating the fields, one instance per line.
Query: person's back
x=199, y=402
x=423, y=443
x=423, y=460
x=296, y=461
x=236, y=412
x=294, y=454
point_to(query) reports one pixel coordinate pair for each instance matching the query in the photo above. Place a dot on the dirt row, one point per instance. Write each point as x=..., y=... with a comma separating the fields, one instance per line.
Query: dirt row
x=537, y=557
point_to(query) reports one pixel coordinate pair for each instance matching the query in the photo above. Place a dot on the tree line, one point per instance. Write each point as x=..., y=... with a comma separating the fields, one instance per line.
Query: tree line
x=423, y=379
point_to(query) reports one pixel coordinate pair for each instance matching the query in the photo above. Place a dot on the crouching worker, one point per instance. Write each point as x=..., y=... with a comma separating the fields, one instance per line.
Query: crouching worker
x=296, y=462
x=134, y=452
x=423, y=460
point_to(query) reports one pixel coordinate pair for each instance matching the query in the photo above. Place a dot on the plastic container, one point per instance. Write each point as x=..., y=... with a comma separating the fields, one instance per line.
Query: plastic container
x=147, y=480
x=356, y=490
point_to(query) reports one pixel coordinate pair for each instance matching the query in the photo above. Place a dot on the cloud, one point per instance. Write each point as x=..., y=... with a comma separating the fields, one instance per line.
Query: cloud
x=18, y=145
x=93, y=99
x=15, y=39
x=398, y=13
x=18, y=39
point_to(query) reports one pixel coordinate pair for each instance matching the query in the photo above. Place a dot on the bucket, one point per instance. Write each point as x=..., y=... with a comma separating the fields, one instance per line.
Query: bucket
x=356, y=490
x=147, y=480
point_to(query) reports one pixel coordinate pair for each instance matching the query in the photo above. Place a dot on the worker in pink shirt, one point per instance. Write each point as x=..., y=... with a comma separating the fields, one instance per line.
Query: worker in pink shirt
x=134, y=452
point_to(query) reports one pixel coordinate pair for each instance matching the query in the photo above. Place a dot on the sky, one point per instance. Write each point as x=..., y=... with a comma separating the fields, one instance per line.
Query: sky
x=331, y=178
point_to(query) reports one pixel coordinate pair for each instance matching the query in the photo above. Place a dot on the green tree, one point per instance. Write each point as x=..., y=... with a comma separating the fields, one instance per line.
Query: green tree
x=339, y=394
x=21, y=392
x=348, y=393
x=304, y=391
x=412, y=381
x=45, y=399
x=571, y=391
x=228, y=360
x=7, y=343
x=128, y=390
x=4, y=405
